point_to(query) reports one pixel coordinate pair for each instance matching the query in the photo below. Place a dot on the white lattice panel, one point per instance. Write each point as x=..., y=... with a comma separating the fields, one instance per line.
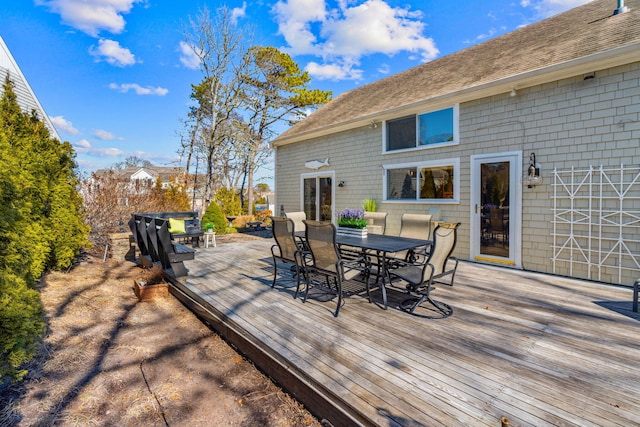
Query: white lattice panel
x=596, y=222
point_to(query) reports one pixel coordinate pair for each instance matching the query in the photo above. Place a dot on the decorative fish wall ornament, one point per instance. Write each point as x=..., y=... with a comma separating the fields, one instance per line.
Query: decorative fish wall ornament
x=316, y=164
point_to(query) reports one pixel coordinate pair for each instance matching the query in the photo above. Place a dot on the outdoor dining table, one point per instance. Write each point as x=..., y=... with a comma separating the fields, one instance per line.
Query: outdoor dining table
x=379, y=245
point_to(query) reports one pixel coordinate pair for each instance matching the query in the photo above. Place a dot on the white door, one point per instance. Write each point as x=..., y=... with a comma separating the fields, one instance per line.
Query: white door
x=496, y=200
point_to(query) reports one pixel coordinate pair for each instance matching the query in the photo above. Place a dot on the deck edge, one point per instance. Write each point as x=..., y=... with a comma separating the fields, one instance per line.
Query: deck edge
x=320, y=401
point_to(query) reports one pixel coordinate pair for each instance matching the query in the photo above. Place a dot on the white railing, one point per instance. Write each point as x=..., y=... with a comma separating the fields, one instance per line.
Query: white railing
x=596, y=221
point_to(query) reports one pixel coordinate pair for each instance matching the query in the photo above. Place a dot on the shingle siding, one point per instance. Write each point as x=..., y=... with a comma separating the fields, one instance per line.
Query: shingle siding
x=568, y=123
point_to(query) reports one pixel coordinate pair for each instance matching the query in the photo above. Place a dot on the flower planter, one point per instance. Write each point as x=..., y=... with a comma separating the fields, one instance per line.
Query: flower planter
x=354, y=232
x=146, y=292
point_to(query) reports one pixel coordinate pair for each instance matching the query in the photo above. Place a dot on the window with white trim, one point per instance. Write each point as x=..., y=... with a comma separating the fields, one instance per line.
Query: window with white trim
x=430, y=129
x=429, y=182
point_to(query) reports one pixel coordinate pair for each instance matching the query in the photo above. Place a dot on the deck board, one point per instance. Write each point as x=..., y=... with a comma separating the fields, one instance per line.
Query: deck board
x=538, y=349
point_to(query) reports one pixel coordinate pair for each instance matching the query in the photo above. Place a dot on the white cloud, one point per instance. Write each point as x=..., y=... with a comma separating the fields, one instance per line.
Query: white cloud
x=104, y=135
x=547, y=8
x=188, y=57
x=333, y=71
x=139, y=90
x=343, y=35
x=63, y=125
x=83, y=143
x=384, y=69
x=91, y=16
x=238, y=12
x=294, y=18
x=111, y=52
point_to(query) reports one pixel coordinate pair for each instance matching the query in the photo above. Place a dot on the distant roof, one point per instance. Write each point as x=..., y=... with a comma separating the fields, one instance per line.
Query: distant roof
x=574, y=41
x=163, y=172
x=27, y=99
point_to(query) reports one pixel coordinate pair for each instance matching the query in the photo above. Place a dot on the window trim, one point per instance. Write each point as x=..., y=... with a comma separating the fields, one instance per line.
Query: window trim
x=418, y=146
x=454, y=162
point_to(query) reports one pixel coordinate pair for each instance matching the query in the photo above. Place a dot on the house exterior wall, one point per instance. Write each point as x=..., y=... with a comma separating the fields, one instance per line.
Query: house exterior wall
x=568, y=123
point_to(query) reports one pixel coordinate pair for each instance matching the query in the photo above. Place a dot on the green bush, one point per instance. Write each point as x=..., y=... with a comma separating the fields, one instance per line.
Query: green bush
x=228, y=201
x=214, y=215
x=41, y=226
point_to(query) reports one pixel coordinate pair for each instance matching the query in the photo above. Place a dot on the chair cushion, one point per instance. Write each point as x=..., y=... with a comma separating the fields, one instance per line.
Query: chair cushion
x=176, y=226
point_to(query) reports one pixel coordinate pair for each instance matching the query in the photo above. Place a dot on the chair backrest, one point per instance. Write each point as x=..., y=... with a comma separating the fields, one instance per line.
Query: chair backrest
x=377, y=219
x=298, y=219
x=149, y=236
x=321, y=239
x=283, y=233
x=416, y=226
x=496, y=217
x=445, y=237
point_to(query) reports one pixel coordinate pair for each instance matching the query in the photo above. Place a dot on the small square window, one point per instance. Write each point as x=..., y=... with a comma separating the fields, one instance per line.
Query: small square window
x=401, y=184
x=401, y=133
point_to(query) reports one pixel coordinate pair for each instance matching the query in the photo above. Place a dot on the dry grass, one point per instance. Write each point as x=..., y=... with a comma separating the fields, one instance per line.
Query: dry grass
x=110, y=360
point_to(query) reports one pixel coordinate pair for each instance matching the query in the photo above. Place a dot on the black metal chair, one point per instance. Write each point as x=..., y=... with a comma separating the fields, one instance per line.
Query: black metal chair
x=347, y=275
x=287, y=249
x=421, y=277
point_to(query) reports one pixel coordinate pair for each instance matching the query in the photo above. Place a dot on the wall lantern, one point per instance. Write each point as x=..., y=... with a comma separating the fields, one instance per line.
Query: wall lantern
x=341, y=184
x=533, y=177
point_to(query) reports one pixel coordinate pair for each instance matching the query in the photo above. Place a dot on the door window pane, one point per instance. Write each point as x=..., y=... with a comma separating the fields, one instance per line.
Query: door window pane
x=494, y=193
x=310, y=197
x=325, y=199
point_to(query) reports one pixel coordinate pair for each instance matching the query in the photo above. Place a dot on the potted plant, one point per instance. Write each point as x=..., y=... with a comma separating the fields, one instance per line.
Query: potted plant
x=209, y=227
x=150, y=284
x=369, y=205
x=351, y=222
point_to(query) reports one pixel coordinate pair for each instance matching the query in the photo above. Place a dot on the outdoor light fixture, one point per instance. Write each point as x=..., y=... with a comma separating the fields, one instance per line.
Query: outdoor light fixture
x=533, y=177
x=513, y=92
x=373, y=124
x=341, y=184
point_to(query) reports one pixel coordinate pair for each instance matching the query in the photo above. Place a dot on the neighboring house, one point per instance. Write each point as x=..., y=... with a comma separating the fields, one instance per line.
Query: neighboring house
x=456, y=137
x=26, y=98
x=145, y=177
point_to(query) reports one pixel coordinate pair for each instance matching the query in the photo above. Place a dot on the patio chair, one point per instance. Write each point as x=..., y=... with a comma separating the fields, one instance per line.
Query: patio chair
x=298, y=219
x=415, y=226
x=346, y=275
x=288, y=249
x=378, y=221
x=498, y=225
x=421, y=277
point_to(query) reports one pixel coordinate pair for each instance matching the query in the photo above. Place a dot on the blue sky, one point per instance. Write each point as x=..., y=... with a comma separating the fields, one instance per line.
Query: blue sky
x=113, y=77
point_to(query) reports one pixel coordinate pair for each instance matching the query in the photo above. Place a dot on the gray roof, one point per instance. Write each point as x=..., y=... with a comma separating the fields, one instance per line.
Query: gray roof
x=576, y=36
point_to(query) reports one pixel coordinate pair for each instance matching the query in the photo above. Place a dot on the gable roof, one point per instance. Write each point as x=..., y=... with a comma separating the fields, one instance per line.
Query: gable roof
x=27, y=99
x=578, y=41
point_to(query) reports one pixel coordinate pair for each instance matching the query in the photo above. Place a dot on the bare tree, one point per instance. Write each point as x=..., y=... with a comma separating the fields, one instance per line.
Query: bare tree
x=218, y=44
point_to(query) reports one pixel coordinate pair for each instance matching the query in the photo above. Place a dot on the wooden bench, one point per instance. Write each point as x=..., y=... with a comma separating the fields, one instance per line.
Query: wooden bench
x=255, y=225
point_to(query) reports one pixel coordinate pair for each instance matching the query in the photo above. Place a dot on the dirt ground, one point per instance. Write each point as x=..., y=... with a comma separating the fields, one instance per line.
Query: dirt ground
x=109, y=360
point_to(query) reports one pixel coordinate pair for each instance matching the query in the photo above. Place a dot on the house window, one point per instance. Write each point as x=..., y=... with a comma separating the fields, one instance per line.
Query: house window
x=432, y=129
x=429, y=182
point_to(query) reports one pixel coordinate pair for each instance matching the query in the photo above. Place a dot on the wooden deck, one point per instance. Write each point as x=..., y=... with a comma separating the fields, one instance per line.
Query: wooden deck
x=536, y=349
